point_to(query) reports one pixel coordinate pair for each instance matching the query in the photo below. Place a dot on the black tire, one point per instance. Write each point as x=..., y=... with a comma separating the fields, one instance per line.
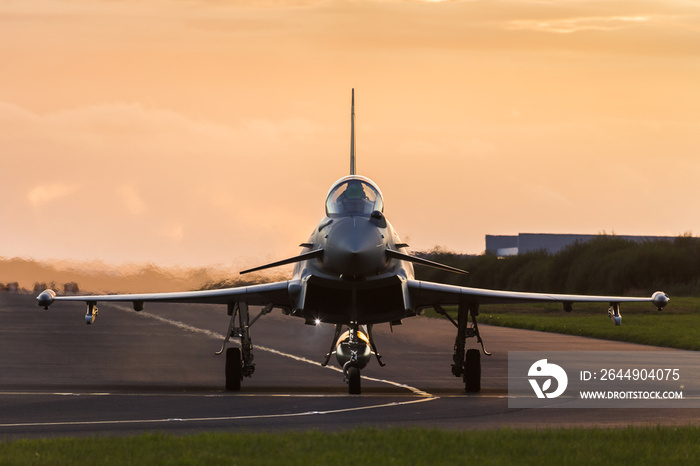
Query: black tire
x=472, y=371
x=233, y=369
x=354, y=381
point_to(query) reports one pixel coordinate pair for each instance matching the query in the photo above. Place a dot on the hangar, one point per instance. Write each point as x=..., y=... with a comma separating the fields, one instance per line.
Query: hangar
x=511, y=245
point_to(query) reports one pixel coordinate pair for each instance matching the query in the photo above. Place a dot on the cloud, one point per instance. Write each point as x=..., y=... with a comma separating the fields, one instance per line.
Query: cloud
x=174, y=233
x=572, y=25
x=45, y=194
x=156, y=184
x=132, y=201
x=544, y=196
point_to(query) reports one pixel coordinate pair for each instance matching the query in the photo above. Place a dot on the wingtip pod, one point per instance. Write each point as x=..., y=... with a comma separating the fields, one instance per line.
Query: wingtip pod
x=660, y=299
x=46, y=298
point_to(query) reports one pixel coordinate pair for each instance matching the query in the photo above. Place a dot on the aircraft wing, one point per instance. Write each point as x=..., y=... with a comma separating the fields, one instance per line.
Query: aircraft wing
x=427, y=294
x=276, y=294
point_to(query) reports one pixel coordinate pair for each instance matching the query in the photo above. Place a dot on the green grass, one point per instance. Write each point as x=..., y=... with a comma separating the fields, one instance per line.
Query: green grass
x=677, y=326
x=632, y=445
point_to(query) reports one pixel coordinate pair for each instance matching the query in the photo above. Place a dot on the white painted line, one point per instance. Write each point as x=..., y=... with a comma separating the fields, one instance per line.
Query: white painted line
x=206, y=419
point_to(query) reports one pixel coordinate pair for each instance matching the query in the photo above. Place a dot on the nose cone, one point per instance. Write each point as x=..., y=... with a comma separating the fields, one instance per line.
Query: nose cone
x=355, y=248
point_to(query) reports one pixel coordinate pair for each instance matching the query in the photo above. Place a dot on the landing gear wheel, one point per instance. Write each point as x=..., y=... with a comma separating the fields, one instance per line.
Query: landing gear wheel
x=233, y=369
x=472, y=371
x=354, y=381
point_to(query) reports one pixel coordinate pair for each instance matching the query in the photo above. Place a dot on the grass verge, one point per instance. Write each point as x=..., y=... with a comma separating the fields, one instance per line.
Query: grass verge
x=632, y=445
x=677, y=326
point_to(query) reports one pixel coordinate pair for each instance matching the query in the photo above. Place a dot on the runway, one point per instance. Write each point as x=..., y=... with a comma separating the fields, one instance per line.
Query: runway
x=156, y=371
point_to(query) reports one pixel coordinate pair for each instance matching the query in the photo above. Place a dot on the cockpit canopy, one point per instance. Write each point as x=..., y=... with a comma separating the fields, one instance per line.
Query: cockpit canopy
x=353, y=195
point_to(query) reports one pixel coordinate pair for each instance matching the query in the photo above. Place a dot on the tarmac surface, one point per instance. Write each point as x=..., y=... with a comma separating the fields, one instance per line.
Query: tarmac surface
x=156, y=371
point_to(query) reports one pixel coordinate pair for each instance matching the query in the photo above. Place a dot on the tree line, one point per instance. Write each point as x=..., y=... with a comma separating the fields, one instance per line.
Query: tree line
x=606, y=264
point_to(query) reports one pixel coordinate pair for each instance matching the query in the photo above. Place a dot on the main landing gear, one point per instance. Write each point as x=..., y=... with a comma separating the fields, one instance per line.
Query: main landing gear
x=239, y=361
x=466, y=364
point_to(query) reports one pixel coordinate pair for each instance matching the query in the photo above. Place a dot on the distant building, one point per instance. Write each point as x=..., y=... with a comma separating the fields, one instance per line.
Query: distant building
x=511, y=245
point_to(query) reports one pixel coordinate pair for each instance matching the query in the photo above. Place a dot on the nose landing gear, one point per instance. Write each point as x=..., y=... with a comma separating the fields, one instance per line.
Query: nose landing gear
x=353, y=378
x=354, y=353
x=353, y=349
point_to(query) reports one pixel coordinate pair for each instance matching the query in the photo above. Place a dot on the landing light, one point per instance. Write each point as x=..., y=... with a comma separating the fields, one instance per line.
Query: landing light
x=317, y=321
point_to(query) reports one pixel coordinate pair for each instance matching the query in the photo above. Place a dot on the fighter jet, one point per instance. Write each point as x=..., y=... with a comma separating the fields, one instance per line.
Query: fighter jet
x=353, y=272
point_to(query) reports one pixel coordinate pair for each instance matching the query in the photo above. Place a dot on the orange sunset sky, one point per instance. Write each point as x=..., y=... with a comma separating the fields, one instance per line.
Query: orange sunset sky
x=208, y=132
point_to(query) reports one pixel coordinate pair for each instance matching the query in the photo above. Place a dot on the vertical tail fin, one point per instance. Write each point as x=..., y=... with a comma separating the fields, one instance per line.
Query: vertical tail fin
x=352, y=135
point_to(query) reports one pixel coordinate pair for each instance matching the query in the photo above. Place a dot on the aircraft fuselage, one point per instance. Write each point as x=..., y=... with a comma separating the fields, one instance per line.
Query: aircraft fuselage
x=353, y=280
